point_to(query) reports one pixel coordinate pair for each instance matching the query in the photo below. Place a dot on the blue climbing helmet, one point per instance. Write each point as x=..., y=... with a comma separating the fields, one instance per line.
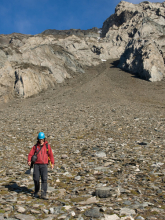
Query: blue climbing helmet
x=41, y=135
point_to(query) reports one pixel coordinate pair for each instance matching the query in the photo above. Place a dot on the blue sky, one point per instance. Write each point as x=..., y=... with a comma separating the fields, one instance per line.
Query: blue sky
x=35, y=16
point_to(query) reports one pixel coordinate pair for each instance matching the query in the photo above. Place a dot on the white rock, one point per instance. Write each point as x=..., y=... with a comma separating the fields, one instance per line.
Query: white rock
x=110, y=217
x=51, y=210
x=73, y=213
x=67, y=207
x=100, y=154
x=89, y=201
x=127, y=211
x=21, y=209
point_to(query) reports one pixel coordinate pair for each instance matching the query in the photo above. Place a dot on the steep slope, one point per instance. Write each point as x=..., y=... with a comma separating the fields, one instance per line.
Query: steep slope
x=106, y=128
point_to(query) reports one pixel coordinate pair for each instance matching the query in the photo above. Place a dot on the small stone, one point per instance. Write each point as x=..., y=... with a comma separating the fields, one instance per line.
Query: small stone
x=110, y=217
x=80, y=218
x=103, y=192
x=107, y=164
x=67, y=207
x=51, y=210
x=139, y=218
x=33, y=211
x=100, y=154
x=89, y=201
x=103, y=209
x=93, y=212
x=62, y=192
x=77, y=152
x=21, y=209
x=127, y=218
x=127, y=211
x=6, y=216
x=77, y=178
x=24, y=217
x=36, y=205
x=64, y=156
x=46, y=211
x=73, y=213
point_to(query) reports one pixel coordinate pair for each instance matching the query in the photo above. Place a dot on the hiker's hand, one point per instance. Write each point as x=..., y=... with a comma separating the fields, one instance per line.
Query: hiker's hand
x=52, y=166
x=29, y=163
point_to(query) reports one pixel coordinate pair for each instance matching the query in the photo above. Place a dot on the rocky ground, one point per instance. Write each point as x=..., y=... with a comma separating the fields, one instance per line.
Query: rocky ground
x=106, y=129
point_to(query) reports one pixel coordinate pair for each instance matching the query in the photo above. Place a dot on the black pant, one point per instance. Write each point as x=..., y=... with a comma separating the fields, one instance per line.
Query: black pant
x=40, y=170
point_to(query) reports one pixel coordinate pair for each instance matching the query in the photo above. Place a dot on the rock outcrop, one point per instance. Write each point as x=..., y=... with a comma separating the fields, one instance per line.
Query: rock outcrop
x=135, y=34
x=31, y=64
x=94, y=32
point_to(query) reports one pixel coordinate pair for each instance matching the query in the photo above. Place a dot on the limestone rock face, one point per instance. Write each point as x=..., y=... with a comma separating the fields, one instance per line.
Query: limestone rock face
x=137, y=33
x=31, y=64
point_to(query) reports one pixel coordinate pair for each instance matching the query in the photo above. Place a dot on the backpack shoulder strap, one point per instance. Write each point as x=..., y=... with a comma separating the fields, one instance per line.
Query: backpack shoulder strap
x=47, y=147
x=36, y=153
x=35, y=148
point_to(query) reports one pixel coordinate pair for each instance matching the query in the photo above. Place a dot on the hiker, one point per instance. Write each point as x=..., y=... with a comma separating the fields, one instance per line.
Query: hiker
x=44, y=153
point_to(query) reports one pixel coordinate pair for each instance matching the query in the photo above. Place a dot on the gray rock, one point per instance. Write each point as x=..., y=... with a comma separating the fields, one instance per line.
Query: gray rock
x=80, y=218
x=49, y=218
x=101, y=168
x=139, y=218
x=51, y=189
x=93, y=212
x=100, y=154
x=24, y=217
x=127, y=211
x=103, y=192
x=57, y=210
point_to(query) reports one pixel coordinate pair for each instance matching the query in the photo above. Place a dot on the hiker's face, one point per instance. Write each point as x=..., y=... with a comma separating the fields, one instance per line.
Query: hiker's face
x=41, y=141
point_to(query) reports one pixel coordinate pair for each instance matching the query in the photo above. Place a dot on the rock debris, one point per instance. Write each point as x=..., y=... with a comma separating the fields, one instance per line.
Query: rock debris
x=106, y=129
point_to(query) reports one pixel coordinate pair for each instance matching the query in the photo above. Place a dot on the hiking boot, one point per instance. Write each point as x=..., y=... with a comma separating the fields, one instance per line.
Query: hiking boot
x=35, y=195
x=44, y=197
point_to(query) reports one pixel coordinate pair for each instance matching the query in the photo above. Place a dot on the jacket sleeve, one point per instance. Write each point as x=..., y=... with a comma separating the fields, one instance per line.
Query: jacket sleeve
x=50, y=154
x=31, y=153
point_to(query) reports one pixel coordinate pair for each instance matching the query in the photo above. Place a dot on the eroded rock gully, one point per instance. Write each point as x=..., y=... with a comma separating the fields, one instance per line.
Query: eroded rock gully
x=106, y=129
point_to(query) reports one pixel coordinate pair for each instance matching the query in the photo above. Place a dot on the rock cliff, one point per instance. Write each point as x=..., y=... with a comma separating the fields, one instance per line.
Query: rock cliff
x=31, y=64
x=135, y=34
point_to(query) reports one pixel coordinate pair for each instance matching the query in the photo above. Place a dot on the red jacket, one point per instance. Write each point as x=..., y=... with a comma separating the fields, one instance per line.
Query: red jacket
x=42, y=156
